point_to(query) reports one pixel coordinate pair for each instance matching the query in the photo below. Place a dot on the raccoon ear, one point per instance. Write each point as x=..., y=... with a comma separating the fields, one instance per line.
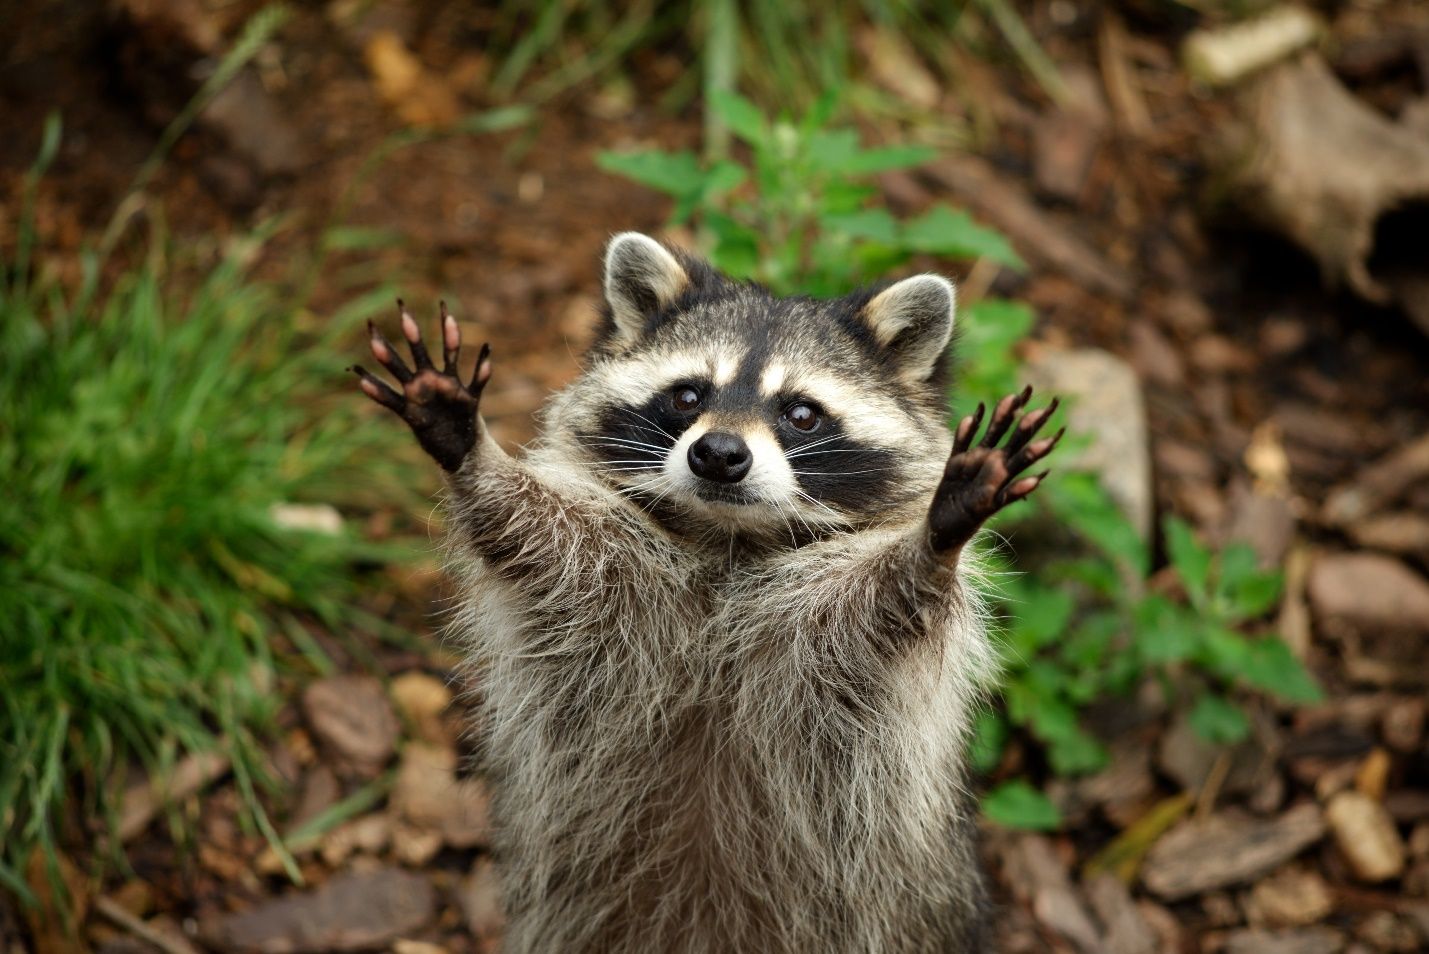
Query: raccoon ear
x=641, y=277
x=913, y=319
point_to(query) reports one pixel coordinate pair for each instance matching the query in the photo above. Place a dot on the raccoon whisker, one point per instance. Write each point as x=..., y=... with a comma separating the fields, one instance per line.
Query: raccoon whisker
x=842, y=473
x=837, y=517
x=608, y=439
x=657, y=427
x=805, y=448
x=648, y=464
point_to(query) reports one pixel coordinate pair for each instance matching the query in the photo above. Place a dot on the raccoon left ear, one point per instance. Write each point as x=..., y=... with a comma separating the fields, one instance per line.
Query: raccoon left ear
x=641, y=278
x=913, y=320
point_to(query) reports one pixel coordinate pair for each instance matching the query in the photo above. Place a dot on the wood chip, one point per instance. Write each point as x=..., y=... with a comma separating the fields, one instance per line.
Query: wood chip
x=1201, y=855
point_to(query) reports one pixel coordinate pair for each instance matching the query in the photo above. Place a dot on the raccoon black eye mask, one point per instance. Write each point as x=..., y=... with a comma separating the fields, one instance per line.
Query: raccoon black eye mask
x=721, y=616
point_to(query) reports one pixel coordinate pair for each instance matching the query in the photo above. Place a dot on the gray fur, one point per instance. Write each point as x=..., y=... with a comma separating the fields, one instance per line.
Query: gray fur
x=713, y=734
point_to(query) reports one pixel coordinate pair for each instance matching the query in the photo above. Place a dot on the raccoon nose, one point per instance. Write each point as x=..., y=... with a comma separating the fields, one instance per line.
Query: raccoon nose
x=720, y=457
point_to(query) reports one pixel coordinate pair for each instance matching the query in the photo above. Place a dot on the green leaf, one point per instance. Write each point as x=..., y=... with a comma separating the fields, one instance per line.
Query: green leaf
x=1083, y=505
x=1016, y=804
x=722, y=177
x=875, y=225
x=1218, y=720
x=741, y=116
x=676, y=173
x=944, y=231
x=1165, y=633
x=1040, y=615
x=989, y=739
x=1191, y=560
x=869, y=161
x=1245, y=590
x=831, y=150
x=736, y=247
x=1224, y=652
x=1076, y=753
x=1270, y=665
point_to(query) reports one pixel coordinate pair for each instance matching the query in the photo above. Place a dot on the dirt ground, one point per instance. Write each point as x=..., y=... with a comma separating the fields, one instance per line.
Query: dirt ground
x=1271, y=400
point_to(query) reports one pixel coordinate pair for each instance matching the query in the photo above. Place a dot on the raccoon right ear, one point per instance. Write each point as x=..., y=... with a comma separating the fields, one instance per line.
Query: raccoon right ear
x=641, y=278
x=913, y=321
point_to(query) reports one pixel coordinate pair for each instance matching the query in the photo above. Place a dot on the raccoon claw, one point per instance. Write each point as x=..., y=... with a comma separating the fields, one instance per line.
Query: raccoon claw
x=980, y=480
x=439, y=408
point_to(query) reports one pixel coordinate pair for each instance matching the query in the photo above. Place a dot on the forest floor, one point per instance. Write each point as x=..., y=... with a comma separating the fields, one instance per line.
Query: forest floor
x=1271, y=402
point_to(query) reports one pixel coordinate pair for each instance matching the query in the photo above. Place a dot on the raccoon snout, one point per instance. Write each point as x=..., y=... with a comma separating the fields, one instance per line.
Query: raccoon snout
x=721, y=457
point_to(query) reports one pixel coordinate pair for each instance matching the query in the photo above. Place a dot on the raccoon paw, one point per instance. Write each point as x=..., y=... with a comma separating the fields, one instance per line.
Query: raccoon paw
x=439, y=408
x=980, y=480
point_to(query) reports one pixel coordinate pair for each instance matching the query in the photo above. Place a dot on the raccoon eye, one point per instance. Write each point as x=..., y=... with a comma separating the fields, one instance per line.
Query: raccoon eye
x=802, y=416
x=686, y=398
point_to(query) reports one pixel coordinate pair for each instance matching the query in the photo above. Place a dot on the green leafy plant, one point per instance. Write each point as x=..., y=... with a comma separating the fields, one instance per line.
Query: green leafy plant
x=1064, y=651
x=800, y=215
x=150, y=587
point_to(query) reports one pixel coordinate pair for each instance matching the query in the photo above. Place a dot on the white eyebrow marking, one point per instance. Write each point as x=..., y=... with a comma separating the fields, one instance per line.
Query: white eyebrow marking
x=772, y=379
x=724, y=371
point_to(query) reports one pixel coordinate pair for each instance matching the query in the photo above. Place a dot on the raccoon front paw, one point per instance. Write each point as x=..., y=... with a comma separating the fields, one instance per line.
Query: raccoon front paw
x=439, y=408
x=979, y=481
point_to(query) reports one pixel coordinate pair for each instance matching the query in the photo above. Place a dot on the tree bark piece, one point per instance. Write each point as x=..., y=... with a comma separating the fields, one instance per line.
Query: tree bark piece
x=1341, y=181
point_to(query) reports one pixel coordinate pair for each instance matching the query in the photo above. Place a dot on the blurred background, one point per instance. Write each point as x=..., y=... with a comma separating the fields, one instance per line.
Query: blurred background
x=228, y=717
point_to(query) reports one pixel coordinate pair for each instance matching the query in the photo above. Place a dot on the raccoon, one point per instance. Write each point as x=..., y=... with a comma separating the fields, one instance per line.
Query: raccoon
x=722, y=618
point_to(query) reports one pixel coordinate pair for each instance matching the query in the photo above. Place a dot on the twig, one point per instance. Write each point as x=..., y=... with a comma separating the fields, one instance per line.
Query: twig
x=1211, y=788
x=1126, y=99
x=136, y=926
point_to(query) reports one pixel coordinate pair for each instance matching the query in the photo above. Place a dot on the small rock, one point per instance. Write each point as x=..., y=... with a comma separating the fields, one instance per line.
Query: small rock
x=1203, y=854
x=248, y=118
x=481, y=902
x=1298, y=941
x=422, y=699
x=415, y=847
x=368, y=834
x=1368, y=591
x=1126, y=929
x=320, y=791
x=352, y=716
x=429, y=795
x=1403, y=725
x=1366, y=835
x=1106, y=405
x=1388, y=931
x=1292, y=897
x=351, y=912
x=1061, y=911
x=317, y=518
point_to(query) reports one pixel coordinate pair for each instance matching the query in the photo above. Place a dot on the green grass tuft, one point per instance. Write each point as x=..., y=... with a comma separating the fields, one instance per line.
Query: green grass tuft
x=146, y=589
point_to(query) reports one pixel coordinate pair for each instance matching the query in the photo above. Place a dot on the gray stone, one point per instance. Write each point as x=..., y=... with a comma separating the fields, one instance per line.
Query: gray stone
x=1104, y=403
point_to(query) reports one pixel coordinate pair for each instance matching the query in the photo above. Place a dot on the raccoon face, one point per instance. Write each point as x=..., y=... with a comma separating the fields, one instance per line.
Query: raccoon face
x=712, y=403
